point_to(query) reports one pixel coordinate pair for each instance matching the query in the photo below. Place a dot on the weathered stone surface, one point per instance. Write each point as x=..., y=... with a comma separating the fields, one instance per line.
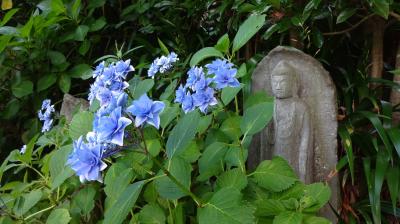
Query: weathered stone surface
x=70, y=104
x=304, y=127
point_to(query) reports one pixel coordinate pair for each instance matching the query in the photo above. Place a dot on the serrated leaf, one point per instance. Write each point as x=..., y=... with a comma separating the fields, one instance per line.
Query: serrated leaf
x=81, y=124
x=232, y=178
x=181, y=170
x=152, y=214
x=223, y=44
x=182, y=133
x=226, y=207
x=59, y=216
x=117, y=178
x=204, y=53
x=82, y=71
x=46, y=81
x=288, y=218
x=316, y=220
x=229, y=93
x=64, y=83
x=56, y=57
x=320, y=192
x=168, y=114
x=231, y=127
x=275, y=175
x=117, y=213
x=139, y=87
x=256, y=117
x=211, y=161
x=25, y=202
x=247, y=30
x=59, y=171
x=84, y=199
x=22, y=89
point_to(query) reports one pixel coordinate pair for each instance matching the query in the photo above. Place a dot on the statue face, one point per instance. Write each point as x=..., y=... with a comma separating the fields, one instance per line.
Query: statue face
x=282, y=86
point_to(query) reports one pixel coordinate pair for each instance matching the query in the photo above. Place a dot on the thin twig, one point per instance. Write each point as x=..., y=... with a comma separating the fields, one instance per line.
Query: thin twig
x=350, y=28
x=395, y=15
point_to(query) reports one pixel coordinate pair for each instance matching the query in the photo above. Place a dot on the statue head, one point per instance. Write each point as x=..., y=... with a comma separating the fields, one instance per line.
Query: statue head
x=283, y=80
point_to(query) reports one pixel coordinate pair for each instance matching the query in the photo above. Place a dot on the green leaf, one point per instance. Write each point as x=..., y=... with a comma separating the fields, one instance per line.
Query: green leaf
x=152, y=214
x=256, y=117
x=169, y=90
x=211, y=162
x=347, y=143
x=192, y=153
x=8, y=16
x=22, y=89
x=25, y=202
x=96, y=3
x=247, y=30
x=320, y=192
x=232, y=178
x=59, y=171
x=181, y=170
x=204, y=123
x=271, y=30
x=288, y=218
x=56, y=57
x=394, y=135
x=226, y=207
x=84, y=199
x=46, y=81
x=75, y=9
x=168, y=114
x=204, y=53
x=64, y=83
x=80, y=32
x=229, y=93
x=116, y=180
x=269, y=207
x=81, y=124
x=82, y=71
x=84, y=48
x=59, y=216
x=140, y=87
x=164, y=49
x=117, y=213
x=231, y=127
x=345, y=14
x=275, y=175
x=223, y=44
x=98, y=24
x=153, y=146
x=381, y=7
x=242, y=71
x=182, y=133
x=393, y=177
x=317, y=38
x=316, y=220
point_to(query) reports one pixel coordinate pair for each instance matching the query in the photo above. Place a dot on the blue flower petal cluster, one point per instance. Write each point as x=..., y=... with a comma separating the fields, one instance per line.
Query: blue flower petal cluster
x=86, y=161
x=162, y=64
x=45, y=114
x=146, y=111
x=108, y=123
x=199, y=90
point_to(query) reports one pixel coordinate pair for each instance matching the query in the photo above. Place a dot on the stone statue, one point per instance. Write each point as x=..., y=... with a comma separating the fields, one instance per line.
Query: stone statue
x=304, y=125
x=291, y=127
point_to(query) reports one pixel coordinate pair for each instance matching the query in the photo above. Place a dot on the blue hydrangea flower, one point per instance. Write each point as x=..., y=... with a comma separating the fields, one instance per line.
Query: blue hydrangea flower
x=218, y=65
x=180, y=94
x=86, y=161
x=122, y=68
x=194, y=75
x=104, y=96
x=202, y=84
x=162, y=64
x=146, y=110
x=187, y=103
x=23, y=149
x=45, y=114
x=111, y=128
x=226, y=78
x=99, y=69
x=204, y=99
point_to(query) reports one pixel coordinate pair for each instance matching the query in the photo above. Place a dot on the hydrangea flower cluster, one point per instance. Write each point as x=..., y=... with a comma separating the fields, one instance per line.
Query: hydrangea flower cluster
x=45, y=114
x=108, y=124
x=162, y=64
x=199, y=90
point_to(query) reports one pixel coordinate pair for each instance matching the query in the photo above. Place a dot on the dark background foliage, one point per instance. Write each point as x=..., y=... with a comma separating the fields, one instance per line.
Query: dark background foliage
x=47, y=55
